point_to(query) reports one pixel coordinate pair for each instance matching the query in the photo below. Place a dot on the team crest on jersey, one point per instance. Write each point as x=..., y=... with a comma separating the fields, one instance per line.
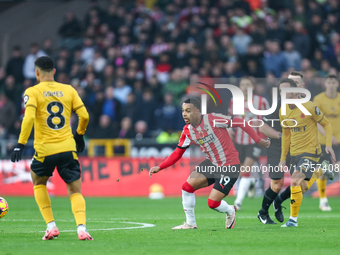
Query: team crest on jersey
x=26, y=99
x=302, y=116
x=317, y=110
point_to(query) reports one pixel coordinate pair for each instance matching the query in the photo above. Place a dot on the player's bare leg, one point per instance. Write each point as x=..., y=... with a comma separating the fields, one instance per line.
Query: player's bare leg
x=296, y=198
x=194, y=182
x=78, y=208
x=216, y=202
x=44, y=203
x=245, y=182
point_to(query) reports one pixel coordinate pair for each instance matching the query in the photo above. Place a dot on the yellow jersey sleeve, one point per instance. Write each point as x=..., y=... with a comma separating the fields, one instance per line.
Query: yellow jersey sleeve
x=315, y=111
x=30, y=112
x=76, y=101
x=30, y=98
x=80, y=110
x=319, y=117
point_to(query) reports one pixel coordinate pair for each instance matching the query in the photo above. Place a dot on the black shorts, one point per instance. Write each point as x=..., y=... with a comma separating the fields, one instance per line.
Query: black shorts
x=325, y=156
x=304, y=164
x=273, y=160
x=251, y=151
x=65, y=162
x=223, y=178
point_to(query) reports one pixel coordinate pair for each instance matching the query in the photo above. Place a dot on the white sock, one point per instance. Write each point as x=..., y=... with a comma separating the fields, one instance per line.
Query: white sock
x=51, y=225
x=243, y=188
x=188, y=201
x=225, y=208
x=323, y=200
x=81, y=228
x=293, y=218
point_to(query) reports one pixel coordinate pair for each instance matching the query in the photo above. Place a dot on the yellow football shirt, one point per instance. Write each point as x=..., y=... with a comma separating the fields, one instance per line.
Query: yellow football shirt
x=331, y=108
x=50, y=104
x=303, y=135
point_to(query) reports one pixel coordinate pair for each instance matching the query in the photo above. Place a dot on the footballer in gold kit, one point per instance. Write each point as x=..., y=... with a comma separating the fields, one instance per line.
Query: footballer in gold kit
x=299, y=135
x=329, y=103
x=49, y=105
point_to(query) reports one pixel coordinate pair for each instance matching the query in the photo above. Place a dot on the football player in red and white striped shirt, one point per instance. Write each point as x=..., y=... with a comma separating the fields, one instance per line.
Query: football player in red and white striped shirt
x=248, y=150
x=210, y=133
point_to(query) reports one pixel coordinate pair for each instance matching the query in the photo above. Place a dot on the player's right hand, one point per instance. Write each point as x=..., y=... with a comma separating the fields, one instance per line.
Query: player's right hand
x=282, y=164
x=154, y=170
x=79, y=142
x=264, y=143
x=17, y=151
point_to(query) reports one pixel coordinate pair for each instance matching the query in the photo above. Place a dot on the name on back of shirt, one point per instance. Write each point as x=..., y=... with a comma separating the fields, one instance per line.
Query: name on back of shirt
x=53, y=94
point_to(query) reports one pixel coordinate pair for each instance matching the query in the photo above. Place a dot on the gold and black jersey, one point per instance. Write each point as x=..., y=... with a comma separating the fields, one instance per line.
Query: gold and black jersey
x=49, y=105
x=303, y=134
x=331, y=109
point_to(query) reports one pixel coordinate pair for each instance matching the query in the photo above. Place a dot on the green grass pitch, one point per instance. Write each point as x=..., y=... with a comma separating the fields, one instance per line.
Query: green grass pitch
x=113, y=221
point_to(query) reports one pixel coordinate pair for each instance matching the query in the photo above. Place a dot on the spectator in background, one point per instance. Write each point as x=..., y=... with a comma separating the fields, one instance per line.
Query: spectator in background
x=241, y=41
x=292, y=56
x=71, y=27
x=275, y=60
x=28, y=68
x=301, y=40
x=126, y=131
x=108, y=75
x=99, y=62
x=111, y=106
x=48, y=48
x=176, y=85
x=163, y=69
x=13, y=91
x=146, y=109
x=167, y=115
x=7, y=111
x=141, y=130
x=15, y=64
x=105, y=130
x=316, y=61
x=121, y=91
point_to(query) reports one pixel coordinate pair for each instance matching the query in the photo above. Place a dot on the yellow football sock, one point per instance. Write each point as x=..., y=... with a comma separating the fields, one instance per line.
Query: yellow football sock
x=43, y=200
x=322, y=187
x=317, y=173
x=295, y=200
x=78, y=208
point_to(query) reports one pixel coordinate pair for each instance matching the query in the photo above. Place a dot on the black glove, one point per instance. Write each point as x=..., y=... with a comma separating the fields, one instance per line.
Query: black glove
x=79, y=142
x=16, y=154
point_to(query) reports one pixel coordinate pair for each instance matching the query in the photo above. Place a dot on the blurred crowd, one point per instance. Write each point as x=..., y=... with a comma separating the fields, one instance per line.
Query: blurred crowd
x=131, y=63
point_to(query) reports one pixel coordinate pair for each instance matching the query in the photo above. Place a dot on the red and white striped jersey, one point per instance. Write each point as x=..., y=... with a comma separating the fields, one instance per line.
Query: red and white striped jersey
x=212, y=137
x=260, y=103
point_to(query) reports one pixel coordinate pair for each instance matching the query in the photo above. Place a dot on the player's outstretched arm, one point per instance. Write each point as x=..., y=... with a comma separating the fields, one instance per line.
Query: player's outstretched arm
x=172, y=159
x=26, y=128
x=250, y=131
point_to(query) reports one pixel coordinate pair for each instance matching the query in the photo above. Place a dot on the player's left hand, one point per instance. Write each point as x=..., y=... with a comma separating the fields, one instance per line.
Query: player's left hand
x=17, y=151
x=79, y=142
x=264, y=143
x=154, y=170
x=328, y=150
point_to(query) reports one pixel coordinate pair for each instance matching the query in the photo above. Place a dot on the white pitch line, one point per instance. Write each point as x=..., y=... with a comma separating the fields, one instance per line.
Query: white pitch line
x=143, y=225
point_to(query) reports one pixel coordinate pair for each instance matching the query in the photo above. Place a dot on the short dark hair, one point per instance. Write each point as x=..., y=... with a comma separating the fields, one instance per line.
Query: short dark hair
x=331, y=76
x=45, y=63
x=194, y=101
x=295, y=73
x=291, y=82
